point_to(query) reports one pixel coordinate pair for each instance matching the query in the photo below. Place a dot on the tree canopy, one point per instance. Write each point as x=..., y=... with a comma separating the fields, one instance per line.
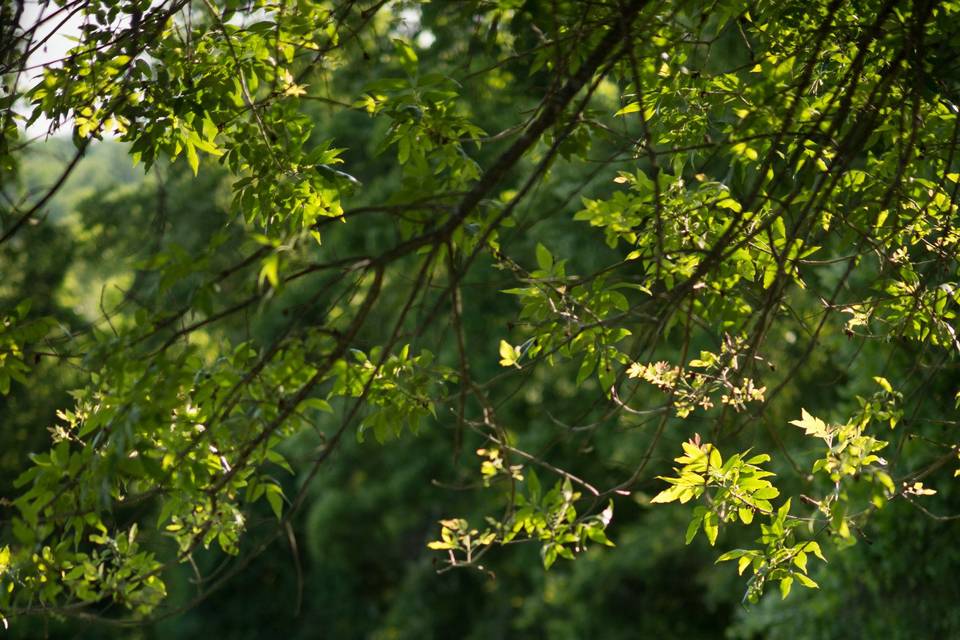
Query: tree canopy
x=453, y=280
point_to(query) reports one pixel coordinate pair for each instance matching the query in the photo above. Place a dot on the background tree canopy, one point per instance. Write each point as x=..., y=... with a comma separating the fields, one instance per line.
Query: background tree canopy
x=488, y=318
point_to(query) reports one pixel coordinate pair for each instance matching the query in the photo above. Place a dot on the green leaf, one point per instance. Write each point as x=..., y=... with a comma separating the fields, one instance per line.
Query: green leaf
x=544, y=259
x=695, y=523
x=597, y=534
x=192, y=159
x=548, y=554
x=668, y=495
x=806, y=581
x=533, y=486
x=23, y=308
x=766, y=493
x=269, y=270
x=732, y=555
x=711, y=527
x=883, y=383
x=209, y=128
x=800, y=560
x=318, y=404
x=814, y=548
x=730, y=203
x=437, y=544
x=783, y=510
x=770, y=273
x=785, y=585
x=274, y=495
x=812, y=426
x=508, y=355
x=587, y=366
x=408, y=57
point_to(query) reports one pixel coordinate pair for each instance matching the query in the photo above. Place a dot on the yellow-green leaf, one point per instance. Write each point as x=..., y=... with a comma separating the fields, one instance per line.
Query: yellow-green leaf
x=730, y=203
x=508, y=355
x=269, y=270
x=880, y=380
x=192, y=159
x=806, y=581
x=785, y=585
x=814, y=548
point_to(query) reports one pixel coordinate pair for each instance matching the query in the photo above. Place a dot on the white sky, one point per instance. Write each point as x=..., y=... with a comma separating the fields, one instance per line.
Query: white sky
x=60, y=43
x=50, y=53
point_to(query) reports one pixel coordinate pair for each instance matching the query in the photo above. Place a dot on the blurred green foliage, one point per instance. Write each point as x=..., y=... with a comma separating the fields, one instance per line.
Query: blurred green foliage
x=590, y=316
